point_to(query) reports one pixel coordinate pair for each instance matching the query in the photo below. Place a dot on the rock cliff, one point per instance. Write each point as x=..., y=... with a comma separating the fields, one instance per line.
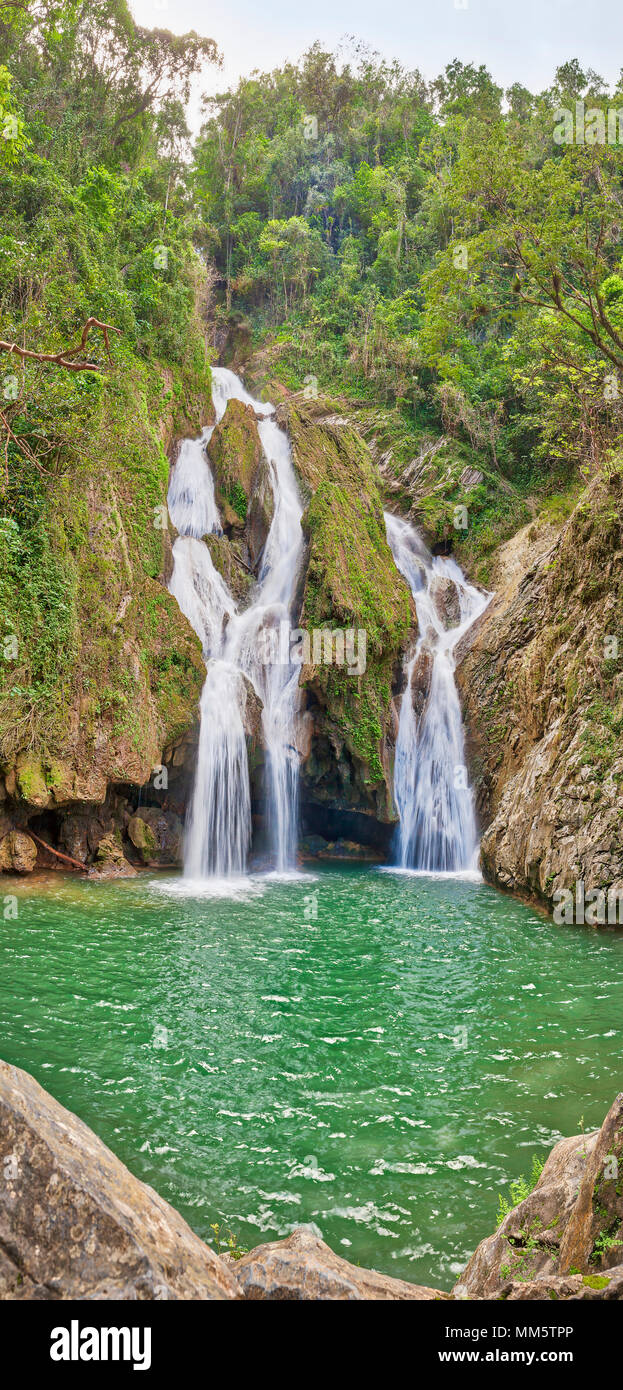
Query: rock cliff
x=541, y=680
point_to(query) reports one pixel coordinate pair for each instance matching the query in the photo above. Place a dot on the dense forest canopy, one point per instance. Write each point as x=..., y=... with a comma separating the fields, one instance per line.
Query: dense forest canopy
x=436, y=240
x=443, y=248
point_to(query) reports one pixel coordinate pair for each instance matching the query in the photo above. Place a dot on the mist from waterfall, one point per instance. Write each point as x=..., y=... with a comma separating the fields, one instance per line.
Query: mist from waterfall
x=218, y=834
x=437, y=832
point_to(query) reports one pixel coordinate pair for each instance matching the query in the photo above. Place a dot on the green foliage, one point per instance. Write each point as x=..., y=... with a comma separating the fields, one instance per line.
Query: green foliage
x=93, y=226
x=227, y=1242
x=466, y=272
x=13, y=138
x=519, y=1190
x=238, y=500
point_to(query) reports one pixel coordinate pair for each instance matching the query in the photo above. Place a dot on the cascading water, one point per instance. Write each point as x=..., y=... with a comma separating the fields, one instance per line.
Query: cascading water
x=434, y=801
x=219, y=826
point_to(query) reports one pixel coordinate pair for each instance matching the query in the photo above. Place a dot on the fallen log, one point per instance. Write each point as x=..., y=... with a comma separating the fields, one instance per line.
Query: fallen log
x=84, y=868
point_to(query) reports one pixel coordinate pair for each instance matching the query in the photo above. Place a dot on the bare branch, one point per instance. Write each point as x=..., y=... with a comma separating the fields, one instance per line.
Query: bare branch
x=65, y=357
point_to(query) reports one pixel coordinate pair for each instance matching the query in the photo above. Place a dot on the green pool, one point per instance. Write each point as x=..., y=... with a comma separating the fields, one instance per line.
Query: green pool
x=373, y=1053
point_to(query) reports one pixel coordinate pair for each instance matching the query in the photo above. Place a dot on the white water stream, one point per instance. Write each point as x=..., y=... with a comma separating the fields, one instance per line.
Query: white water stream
x=218, y=834
x=433, y=798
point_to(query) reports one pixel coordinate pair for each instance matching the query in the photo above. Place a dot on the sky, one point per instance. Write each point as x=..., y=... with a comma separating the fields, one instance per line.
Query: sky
x=518, y=40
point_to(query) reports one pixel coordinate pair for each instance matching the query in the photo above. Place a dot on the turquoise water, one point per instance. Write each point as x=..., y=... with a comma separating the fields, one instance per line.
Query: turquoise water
x=298, y=1055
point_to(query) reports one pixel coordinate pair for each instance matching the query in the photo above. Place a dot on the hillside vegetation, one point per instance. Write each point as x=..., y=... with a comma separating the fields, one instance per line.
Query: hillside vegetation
x=426, y=273
x=431, y=252
x=100, y=670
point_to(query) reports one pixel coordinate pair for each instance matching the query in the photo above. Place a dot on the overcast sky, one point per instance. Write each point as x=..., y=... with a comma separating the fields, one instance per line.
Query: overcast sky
x=518, y=40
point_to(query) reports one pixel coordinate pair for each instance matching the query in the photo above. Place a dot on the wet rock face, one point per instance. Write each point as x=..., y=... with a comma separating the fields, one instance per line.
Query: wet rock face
x=74, y=837
x=18, y=853
x=421, y=678
x=541, y=682
x=227, y=559
x=242, y=476
x=350, y=583
x=157, y=835
x=304, y=1268
x=252, y=712
x=567, y=1235
x=445, y=596
x=74, y=1223
x=260, y=513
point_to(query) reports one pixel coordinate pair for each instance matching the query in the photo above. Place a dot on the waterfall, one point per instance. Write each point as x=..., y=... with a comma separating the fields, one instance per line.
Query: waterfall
x=433, y=798
x=219, y=823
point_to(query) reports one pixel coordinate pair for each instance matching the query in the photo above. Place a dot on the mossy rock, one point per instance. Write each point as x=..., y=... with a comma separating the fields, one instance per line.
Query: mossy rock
x=111, y=669
x=143, y=839
x=31, y=782
x=110, y=849
x=230, y=566
x=235, y=452
x=351, y=583
x=18, y=853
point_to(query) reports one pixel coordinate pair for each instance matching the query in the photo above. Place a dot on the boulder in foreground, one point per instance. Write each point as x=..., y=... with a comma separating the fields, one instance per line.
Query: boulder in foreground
x=304, y=1268
x=565, y=1240
x=75, y=1223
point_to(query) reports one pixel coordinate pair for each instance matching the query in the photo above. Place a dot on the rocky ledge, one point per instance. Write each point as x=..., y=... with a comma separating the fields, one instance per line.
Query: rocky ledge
x=75, y=1223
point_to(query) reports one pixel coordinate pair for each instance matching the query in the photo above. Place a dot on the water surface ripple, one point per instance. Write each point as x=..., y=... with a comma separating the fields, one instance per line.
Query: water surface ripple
x=380, y=1070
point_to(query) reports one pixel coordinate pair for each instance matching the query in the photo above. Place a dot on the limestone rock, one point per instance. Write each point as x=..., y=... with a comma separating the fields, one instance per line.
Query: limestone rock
x=350, y=583
x=586, y=1287
x=260, y=513
x=594, y=1232
x=243, y=482
x=252, y=711
x=527, y=1243
x=445, y=596
x=470, y=477
x=566, y=1238
x=157, y=835
x=61, y=781
x=229, y=564
x=303, y=1267
x=31, y=782
x=110, y=861
x=542, y=694
x=74, y=836
x=143, y=838
x=235, y=452
x=421, y=678
x=74, y=1223
x=18, y=853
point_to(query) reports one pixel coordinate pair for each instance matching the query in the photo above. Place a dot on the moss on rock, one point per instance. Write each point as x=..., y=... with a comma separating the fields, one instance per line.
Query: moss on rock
x=351, y=583
x=235, y=451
